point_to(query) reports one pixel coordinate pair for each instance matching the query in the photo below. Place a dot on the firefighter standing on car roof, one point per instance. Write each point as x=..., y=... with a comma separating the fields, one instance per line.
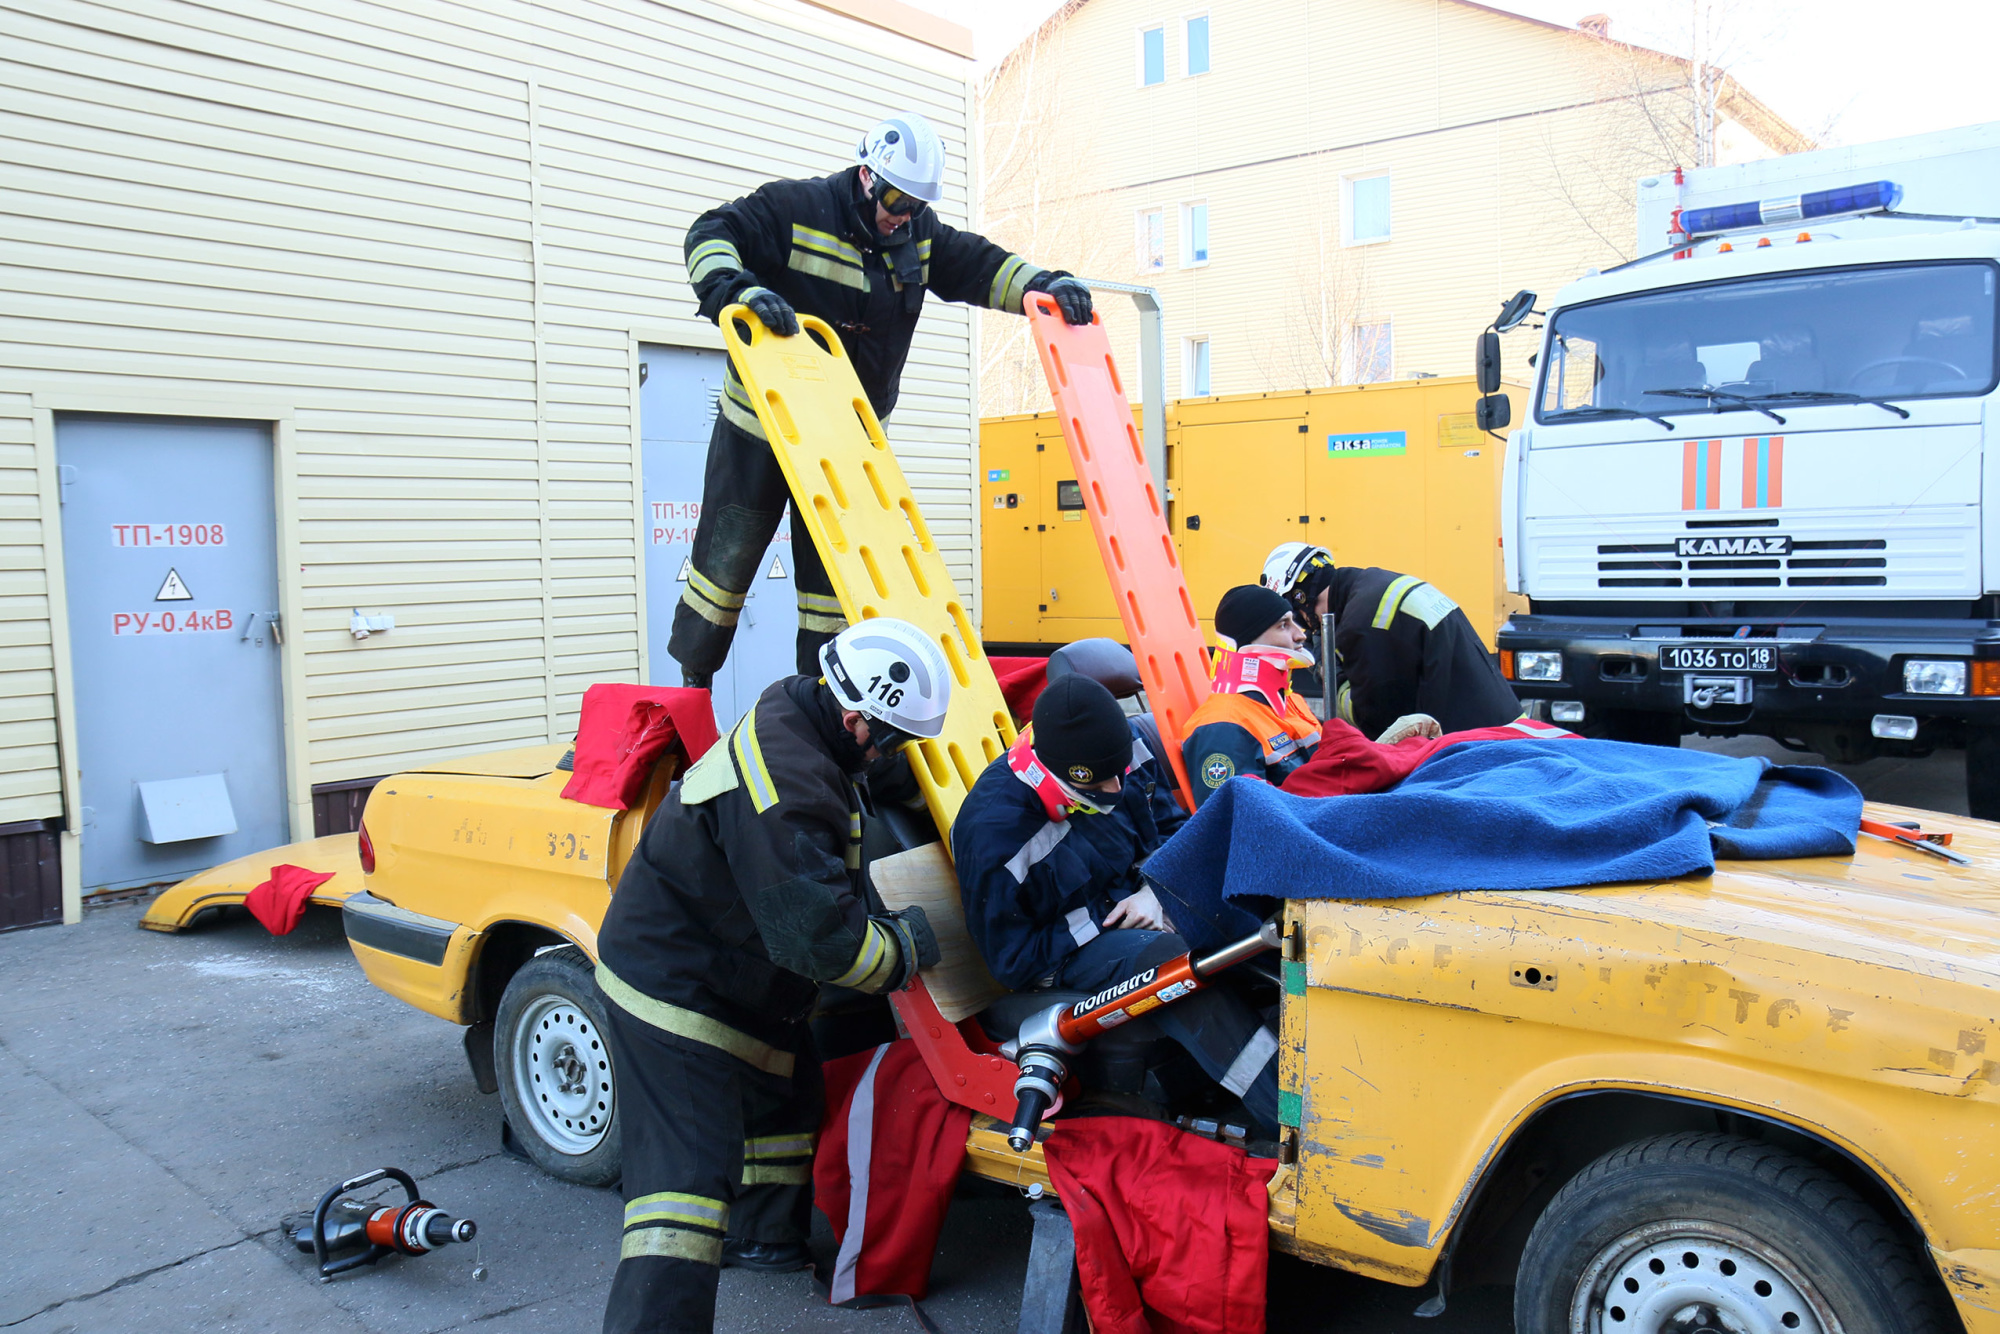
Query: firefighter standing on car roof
x=1400, y=646
x=1048, y=846
x=744, y=895
x=1252, y=722
x=857, y=249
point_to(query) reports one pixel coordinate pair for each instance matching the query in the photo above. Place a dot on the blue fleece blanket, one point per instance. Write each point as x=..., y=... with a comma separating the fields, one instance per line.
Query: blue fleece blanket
x=1496, y=815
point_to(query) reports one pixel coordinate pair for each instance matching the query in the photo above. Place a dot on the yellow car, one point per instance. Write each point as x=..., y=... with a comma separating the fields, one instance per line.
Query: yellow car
x=1769, y=1100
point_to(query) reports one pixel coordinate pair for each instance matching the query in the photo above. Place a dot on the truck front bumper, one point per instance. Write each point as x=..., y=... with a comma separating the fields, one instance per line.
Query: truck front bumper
x=1834, y=675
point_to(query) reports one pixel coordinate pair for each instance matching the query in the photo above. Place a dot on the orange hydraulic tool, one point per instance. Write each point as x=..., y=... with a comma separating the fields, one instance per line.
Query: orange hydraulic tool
x=1129, y=517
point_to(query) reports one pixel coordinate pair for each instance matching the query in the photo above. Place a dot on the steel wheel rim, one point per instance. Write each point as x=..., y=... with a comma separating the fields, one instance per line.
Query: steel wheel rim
x=1695, y=1276
x=561, y=1068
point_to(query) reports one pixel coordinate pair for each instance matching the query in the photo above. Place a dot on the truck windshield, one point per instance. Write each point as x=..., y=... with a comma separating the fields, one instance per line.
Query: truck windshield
x=1888, y=332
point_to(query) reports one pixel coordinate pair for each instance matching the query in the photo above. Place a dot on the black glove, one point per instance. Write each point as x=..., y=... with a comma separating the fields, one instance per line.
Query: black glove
x=776, y=312
x=915, y=941
x=1072, y=297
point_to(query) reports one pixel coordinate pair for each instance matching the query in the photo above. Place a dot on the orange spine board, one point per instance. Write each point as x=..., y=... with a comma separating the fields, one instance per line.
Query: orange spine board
x=1128, y=518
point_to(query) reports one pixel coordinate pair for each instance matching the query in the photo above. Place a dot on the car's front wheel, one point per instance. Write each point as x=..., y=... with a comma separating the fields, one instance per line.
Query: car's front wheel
x=554, y=1066
x=1716, y=1234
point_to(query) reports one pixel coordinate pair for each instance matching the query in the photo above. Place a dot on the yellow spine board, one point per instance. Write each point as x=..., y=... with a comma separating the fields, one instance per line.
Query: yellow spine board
x=877, y=548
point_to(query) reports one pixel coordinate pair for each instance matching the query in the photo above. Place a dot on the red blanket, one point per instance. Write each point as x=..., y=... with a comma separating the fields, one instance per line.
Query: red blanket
x=1171, y=1231
x=1348, y=762
x=280, y=902
x=622, y=734
x=1022, y=681
x=888, y=1157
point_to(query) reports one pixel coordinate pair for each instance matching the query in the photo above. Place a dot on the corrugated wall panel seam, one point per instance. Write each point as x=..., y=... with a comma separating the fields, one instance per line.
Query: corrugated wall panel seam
x=468, y=354
x=105, y=350
x=280, y=92
x=58, y=95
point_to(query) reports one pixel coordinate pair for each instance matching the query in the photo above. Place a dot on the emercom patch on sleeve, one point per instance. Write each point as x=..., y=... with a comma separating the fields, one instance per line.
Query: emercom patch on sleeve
x=711, y=776
x=1428, y=605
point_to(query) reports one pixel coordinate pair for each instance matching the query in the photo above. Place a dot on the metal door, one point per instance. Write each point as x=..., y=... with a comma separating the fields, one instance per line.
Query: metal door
x=170, y=559
x=676, y=413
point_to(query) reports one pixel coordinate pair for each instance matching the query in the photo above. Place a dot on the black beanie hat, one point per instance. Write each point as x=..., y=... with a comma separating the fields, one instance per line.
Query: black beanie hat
x=1080, y=732
x=1247, y=611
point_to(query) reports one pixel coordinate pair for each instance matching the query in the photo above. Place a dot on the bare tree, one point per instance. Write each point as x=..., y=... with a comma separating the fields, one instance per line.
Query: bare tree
x=1331, y=299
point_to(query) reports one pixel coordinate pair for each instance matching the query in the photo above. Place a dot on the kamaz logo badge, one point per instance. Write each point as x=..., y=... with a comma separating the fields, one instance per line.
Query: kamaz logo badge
x=1733, y=546
x=1109, y=994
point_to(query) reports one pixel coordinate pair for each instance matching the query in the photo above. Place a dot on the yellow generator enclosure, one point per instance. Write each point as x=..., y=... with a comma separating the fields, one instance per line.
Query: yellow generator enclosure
x=1393, y=474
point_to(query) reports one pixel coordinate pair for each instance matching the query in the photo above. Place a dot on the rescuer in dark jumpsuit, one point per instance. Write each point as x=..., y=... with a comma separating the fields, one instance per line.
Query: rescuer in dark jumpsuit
x=744, y=895
x=1401, y=646
x=857, y=249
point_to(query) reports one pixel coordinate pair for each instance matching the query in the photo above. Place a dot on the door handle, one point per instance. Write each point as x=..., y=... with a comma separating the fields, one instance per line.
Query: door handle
x=249, y=622
x=1194, y=523
x=277, y=624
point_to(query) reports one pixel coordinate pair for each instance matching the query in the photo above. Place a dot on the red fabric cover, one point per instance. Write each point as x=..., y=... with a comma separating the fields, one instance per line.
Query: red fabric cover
x=1022, y=681
x=1171, y=1229
x=622, y=734
x=888, y=1158
x=280, y=902
x=1348, y=762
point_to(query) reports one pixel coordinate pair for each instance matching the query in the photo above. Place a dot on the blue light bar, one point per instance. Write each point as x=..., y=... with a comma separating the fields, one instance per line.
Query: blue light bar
x=1869, y=198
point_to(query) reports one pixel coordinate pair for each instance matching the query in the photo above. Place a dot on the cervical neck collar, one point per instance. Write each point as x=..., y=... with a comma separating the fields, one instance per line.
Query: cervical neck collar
x=1059, y=799
x=1262, y=669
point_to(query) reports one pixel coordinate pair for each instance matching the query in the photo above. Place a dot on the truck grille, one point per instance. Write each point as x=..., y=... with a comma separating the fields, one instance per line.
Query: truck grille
x=1812, y=564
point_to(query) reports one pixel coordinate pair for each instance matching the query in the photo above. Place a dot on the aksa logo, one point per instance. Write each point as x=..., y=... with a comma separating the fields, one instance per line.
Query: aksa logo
x=1217, y=770
x=1774, y=545
x=1079, y=774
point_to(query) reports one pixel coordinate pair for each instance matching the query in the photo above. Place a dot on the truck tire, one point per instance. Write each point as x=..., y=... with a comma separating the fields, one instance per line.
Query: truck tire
x=1646, y=728
x=554, y=1067
x=1702, y=1231
x=1982, y=772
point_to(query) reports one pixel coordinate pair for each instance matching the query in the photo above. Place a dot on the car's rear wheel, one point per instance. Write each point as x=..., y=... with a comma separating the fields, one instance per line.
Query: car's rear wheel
x=1715, y=1234
x=554, y=1066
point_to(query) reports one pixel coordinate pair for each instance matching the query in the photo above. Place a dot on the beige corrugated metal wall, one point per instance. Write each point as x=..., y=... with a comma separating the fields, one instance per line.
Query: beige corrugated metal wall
x=426, y=238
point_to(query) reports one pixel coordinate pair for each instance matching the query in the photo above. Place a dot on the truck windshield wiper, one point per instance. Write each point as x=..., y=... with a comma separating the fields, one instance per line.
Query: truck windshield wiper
x=1608, y=412
x=1833, y=396
x=1715, y=396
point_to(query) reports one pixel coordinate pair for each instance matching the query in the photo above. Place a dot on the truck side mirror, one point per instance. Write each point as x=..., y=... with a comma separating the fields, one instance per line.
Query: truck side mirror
x=1486, y=362
x=1493, y=412
x=1519, y=306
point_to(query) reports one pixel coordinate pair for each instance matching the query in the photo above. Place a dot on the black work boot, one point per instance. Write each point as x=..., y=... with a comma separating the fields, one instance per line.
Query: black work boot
x=768, y=1257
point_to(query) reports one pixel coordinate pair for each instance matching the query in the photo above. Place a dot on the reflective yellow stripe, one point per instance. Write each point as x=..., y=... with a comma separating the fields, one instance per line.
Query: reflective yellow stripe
x=736, y=408
x=778, y=1146
x=670, y=1206
x=1344, y=706
x=819, y=266
x=1392, y=599
x=763, y=1174
x=703, y=608
x=821, y=625
x=712, y=257
x=876, y=948
x=694, y=1027
x=750, y=764
x=811, y=238
x=671, y=1243
x=826, y=602
x=924, y=248
x=1002, y=277
x=713, y=591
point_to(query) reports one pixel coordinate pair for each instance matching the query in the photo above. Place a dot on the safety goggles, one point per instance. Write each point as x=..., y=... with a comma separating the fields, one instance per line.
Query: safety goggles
x=898, y=203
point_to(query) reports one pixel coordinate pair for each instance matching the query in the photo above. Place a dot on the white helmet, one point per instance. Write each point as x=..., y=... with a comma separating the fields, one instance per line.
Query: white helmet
x=906, y=152
x=891, y=671
x=1288, y=563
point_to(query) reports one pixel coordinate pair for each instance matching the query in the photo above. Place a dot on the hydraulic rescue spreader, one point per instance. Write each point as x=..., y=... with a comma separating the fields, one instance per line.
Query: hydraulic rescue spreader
x=1049, y=1039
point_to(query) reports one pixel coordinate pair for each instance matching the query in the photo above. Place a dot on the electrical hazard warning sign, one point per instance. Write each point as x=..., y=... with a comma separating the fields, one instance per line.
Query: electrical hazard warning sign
x=172, y=589
x=777, y=570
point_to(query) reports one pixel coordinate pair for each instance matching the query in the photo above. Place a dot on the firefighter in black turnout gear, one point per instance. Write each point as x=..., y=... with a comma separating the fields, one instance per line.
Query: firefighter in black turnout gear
x=857, y=249
x=1401, y=647
x=744, y=895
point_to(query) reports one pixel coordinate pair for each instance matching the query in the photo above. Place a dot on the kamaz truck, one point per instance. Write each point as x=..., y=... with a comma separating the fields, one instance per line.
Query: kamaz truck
x=1753, y=495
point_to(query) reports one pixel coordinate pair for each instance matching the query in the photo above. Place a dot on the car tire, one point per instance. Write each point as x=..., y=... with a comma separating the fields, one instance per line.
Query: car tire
x=557, y=1084
x=1648, y=1234
x=1982, y=772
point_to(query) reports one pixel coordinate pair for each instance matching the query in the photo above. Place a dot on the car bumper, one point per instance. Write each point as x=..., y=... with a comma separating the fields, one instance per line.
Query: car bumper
x=1832, y=671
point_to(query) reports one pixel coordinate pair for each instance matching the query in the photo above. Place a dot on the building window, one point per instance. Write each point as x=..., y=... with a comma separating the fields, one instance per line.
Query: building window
x=1197, y=45
x=1194, y=367
x=1371, y=352
x=1152, y=56
x=1152, y=239
x=1367, y=211
x=1194, y=234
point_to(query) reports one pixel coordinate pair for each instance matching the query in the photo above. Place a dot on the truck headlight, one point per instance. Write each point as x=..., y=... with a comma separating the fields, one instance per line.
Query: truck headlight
x=1535, y=665
x=1922, y=676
